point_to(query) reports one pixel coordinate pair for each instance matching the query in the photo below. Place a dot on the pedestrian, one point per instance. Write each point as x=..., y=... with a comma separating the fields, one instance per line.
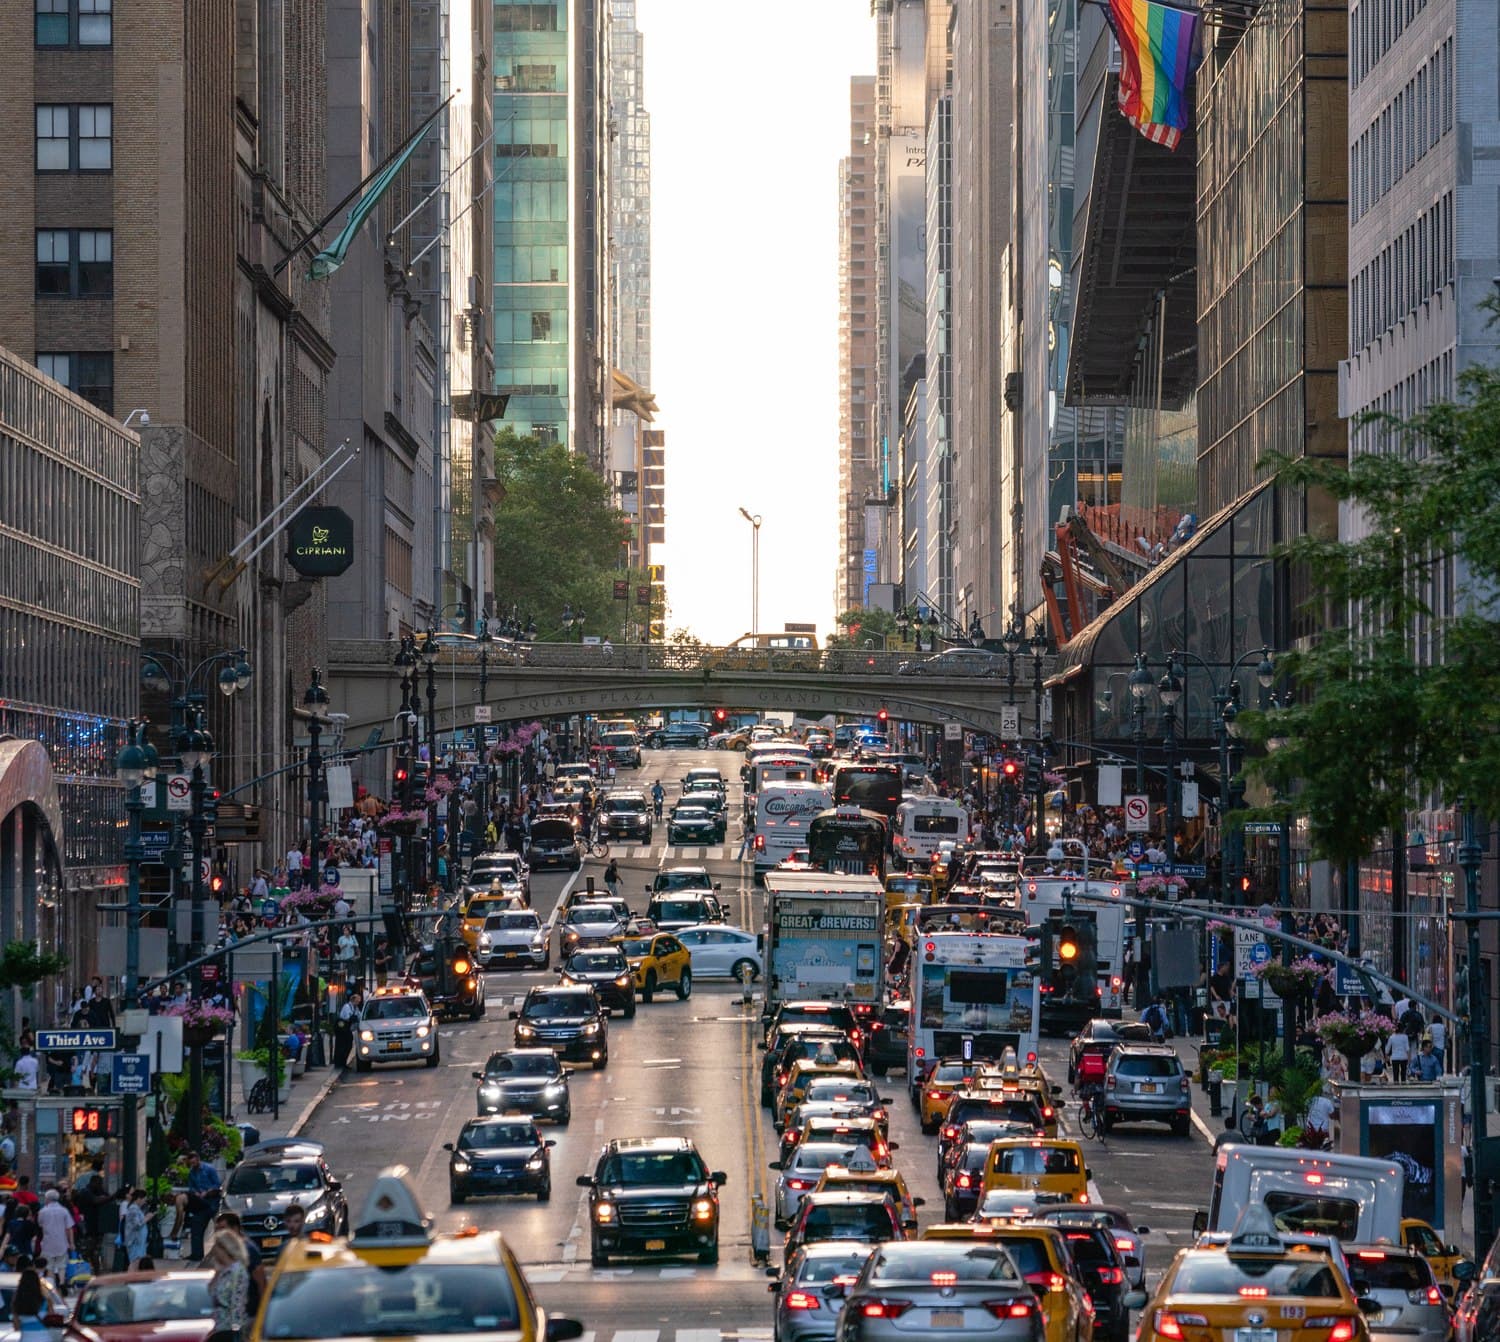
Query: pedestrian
x=1438, y=1030
x=1398, y=1052
x=135, y=1229
x=1427, y=1065
x=343, y=1035
x=229, y=1289
x=349, y=953
x=58, y=1235
x=254, y=1260
x=612, y=879
x=294, y=868
x=382, y=960
x=26, y=1068
x=92, y=1197
x=28, y=1305
x=196, y=1207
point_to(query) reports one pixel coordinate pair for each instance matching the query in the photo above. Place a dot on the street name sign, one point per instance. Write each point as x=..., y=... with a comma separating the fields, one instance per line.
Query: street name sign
x=1263, y=827
x=60, y=1041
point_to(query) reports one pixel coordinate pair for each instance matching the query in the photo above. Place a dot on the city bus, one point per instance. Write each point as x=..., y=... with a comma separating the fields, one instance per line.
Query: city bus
x=972, y=996
x=872, y=787
x=783, y=812
x=924, y=824
x=847, y=839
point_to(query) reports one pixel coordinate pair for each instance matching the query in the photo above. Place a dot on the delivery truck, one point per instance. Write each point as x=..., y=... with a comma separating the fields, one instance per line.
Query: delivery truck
x=823, y=939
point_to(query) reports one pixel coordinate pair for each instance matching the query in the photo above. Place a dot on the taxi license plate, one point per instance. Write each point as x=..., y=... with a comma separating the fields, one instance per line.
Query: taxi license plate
x=657, y=1245
x=1150, y=1088
x=394, y=1046
x=1254, y=1335
x=953, y=1318
x=274, y=1243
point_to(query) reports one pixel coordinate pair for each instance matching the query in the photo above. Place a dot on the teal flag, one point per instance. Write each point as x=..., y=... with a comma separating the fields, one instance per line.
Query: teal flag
x=332, y=256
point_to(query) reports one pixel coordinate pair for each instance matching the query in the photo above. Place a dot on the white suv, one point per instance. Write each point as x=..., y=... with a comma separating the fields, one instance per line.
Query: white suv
x=396, y=1025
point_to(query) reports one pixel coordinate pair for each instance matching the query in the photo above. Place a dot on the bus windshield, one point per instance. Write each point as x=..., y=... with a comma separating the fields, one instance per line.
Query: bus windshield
x=850, y=844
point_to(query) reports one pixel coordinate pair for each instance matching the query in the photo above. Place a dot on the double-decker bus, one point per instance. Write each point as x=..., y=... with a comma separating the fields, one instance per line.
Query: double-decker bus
x=847, y=839
x=972, y=995
x=872, y=787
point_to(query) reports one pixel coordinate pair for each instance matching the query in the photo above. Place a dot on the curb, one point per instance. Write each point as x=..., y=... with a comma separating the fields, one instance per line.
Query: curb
x=305, y=1116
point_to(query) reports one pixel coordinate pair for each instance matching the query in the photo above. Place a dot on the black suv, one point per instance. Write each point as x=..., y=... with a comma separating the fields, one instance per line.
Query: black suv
x=505, y=1154
x=626, y=815
x=606, y=970
x=570, y=1021
x=651, y=1195
x=270, y=1177
x=525, y=1081
x=1102, y=1271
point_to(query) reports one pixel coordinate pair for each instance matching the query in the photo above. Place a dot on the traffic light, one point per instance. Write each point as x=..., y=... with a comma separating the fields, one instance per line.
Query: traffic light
x=399, y=780
x=882, y=717
x=721, y=716
x=210, y=805
x=216, y=884
x=1009, y=769
x=1068, y=944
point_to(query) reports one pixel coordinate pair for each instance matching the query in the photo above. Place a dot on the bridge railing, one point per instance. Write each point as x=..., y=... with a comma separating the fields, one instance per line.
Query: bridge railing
x=636, y=657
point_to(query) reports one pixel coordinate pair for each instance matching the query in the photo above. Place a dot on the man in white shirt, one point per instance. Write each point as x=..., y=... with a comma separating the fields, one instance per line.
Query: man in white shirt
x=26, y=1068
x=341, y=907
x=294, y=868
x=1398, y=1050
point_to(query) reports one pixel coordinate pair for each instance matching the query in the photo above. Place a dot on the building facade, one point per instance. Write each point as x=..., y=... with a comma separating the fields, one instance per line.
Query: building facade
x=70, y=677
x=858, y=348
x=937, y=494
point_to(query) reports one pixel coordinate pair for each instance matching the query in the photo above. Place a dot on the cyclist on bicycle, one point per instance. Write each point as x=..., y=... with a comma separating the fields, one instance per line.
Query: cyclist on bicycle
x=658, y=797
x=1089, y=1084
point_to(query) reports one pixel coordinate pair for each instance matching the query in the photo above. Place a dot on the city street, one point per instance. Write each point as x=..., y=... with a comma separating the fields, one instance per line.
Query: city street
x=679, y=1068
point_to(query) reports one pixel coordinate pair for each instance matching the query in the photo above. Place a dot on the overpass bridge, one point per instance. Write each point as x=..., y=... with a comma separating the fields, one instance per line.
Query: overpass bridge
x=524, y=681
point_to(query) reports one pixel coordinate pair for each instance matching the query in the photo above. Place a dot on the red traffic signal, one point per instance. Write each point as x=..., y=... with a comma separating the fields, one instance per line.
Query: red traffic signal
x=721, y=715
x=216, y=884
x=883, y=716
x=1009, y=768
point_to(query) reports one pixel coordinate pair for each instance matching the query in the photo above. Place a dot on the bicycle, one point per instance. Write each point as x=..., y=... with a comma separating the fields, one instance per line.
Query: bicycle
x=1091, y=1115
x=260, y=1098
x=596, y=846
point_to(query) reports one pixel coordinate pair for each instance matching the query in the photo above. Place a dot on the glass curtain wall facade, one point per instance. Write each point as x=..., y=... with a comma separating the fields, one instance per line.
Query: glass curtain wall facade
x=531, y=215
x=939, y=362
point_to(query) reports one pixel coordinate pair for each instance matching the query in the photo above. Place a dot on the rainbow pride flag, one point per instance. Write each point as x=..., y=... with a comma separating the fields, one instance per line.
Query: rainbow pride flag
x=1160, y=48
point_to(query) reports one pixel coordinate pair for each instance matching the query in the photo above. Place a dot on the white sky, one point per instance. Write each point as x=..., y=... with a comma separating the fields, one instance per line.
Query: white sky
x=749, y=113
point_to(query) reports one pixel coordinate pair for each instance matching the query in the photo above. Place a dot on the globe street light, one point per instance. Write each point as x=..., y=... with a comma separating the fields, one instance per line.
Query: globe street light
x=755, y=520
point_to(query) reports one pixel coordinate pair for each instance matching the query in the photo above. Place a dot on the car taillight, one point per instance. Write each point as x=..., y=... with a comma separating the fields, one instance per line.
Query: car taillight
x=1170, y=1323
x=1182, y=1084
x=799, y=1185
x=1048, y=1112
x=802, y=1300
x=965, y=1181
x=934, y=1095
x=760, y=847
x=855, y=1036
x=950, y=1133
x=1009, y=1309
x=1048, y=1281
x=884, y=1309
x=1111, y=1276
x=1125, y=1245
x=1339, y=1330
x=1425, y=1295
x=1109, y=1078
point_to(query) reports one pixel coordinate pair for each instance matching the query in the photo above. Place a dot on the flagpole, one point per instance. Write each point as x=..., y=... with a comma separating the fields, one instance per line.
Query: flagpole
x=308, y=238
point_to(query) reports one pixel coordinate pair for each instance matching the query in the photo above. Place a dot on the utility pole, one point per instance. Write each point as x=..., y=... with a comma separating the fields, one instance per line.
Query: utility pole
x=1481, y=1144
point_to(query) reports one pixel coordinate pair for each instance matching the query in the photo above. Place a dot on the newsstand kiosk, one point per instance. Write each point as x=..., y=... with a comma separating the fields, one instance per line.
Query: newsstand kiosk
x=57, y=1137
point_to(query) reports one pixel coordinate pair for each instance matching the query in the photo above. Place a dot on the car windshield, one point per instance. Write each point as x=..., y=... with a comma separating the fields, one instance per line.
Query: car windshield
x=819, y=1156
x=523, y=1064
x=951, y=1071
x=103, y=1305
x=1088, y=1248
x=1015, y=1110
x=478, y=1136
x=1036, y=1160
x=678, y=909
x=598, y=962
x=690, y=813
x=549, y=1006
x=395, y=1008
x=593, y=913
x=668, y=881
x=617, y=739
x=1028, y=1253
x=636, y=945
x=392, y=1301
x=830, y=1091
x=1128, y=1065
x=866, y=1221
x=1388, y=1272
x=649, y=1169
x=917, y=1261
x=274, y=1179
x=1220, y=1274
x=821, y=1269
x=512, y=922
x=632, y=805
x=1314, y=1215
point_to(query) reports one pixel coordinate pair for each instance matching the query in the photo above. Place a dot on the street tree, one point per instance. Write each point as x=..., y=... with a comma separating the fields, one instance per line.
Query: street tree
x=1395, y=699
x=865, y=623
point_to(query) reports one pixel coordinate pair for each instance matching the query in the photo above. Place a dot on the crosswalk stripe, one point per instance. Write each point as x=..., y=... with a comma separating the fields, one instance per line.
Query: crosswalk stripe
x=697, y=1335
x=637, y=1335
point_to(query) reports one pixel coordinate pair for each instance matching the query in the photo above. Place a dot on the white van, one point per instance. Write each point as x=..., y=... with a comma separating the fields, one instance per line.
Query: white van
x=783, y=812
x=924, y=824
x=1353, y=1198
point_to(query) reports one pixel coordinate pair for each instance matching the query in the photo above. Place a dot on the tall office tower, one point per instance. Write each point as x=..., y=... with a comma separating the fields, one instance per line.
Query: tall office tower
x=981, y=102
x=163, y=159
x=900, y=275
x=858, y=357
x=1423, y=256
x=938, y=492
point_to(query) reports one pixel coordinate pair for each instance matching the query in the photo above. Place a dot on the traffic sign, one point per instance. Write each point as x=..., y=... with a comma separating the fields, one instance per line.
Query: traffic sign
x=953, y=731
x=1010, y=721
x=1263, y=827
x=130, y=1074
x=1137, y=850
x=1246, y=940
x=330, y=875
x=65, y=1041
x=482, y=712
x=1350, y=983
x=1137, y=813
x=179, y=792
x=1260, y=953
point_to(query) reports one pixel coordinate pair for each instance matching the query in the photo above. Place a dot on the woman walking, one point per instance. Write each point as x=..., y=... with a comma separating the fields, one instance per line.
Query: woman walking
x=28, y=1306
x=612, y=879
x=134, y=1229
x=229, y=1290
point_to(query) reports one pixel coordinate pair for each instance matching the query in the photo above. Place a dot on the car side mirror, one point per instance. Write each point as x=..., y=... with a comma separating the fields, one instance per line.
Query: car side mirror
x=1463, y=1273
x=1057, y=1090
x=585, y=1181
x=774, y=1273
x=447, y=1146
x=1142, y=1230
x=478, y=1076
x=919, y=1202
x=514, y=1015
x=336, y=1185
x=719, y=1177
x=563, y=1330
x=893, y=1146
x=883, y=1099
x=716, y=885
x=773, y=1164
x=1200, y=1222
x=1135, y=1300
x=1369, y=1305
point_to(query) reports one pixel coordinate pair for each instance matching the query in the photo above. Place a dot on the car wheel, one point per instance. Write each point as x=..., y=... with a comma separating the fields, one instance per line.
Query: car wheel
x=929, y=1128
x=435, y=1058
x=737, y=969
x=454, y=1196
x=1109, y=1123
x=547, y=960
x=564, y=1118
x=601, y=1063
x=630, y=1009
x=597, y=1256
x=1180, y=1128
x=361, y=1065
x=684, y=986
x=544, y=1193
x=649, y=991
x=709, y=1257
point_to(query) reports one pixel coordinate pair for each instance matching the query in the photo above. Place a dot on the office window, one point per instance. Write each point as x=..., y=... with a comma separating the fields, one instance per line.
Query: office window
x=91, y=375
x=53, y=26
x=74, y=23
x=53, y=264
x=95, y=142
x=52, y=138
x=96, y=263
x=95, y=23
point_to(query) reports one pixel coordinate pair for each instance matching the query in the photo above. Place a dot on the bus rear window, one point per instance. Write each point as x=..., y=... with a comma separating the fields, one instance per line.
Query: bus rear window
x=934, y=824
x=1314, y=1215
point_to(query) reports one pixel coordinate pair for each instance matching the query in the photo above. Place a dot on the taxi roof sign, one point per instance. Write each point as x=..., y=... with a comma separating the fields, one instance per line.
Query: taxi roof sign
x=391, y=1216
x=861, y=1162
x=1255, y=1229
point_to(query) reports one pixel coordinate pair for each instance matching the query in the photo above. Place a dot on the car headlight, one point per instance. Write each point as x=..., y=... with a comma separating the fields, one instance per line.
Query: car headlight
x=535, y=1163
x=423, y=1031
x=555, y=1088
x=539, y=941
x=591, y=1028
x=703, y=1209
x=460, y=1166
x=317, y=1215
x=485, y=943
x=367, y=1035
x=604, y=1212
x=623, y=981
x=490, y=1092
x=525, y=1031
x=569, y=979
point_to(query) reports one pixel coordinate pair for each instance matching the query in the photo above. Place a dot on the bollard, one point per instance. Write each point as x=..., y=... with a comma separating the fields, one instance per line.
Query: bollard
x=760, y=1229
x=1216, y=1093
x=747, y=975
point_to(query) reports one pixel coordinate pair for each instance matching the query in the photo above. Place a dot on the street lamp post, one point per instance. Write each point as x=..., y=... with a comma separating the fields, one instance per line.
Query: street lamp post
x=481, y=764
x=134, y=765
x=1469, y=854
x=1038, y=648
x=755, y=520
x=429, y=655
x=1139, y=682
x=1284, y=888
x=573, y=619
x=316, y=702
x=1169, y=688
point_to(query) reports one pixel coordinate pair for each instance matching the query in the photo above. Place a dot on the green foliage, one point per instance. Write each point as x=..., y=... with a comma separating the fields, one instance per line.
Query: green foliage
x=1379, y=721
x=23, y=966
x=559, y=540
x=861, y=624
x=1296, y=1087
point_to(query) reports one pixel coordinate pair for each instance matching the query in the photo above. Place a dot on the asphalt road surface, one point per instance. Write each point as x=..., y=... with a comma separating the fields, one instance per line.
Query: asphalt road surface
x=678, y=1069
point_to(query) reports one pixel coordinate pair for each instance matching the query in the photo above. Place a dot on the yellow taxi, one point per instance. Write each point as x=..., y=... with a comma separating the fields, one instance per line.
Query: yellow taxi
x=1009, y=1077
x=907, y=887
x=658, y=960
x=482, y=905
x=1041, y=1256
x=1258, y=1287
x=901, y=921
x=803, y=1071
x=948, y=1076
x=1038, y=1164
x=848, y=1179
x=394, y=1277
x=1440, y=1255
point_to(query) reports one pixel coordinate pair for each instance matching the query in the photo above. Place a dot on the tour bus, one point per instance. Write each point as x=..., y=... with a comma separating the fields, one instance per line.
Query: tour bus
x=923, y=824
x=875, y=787
x=847, y=839
x=972, y=996
x=1086, y=890
x=783, y=811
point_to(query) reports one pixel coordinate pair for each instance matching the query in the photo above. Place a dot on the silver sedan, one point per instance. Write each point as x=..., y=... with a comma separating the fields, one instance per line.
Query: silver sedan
x=808, y=1290
x=801, y=1172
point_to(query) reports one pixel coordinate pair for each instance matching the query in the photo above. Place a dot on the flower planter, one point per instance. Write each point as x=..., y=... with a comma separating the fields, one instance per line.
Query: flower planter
x=195, y=1036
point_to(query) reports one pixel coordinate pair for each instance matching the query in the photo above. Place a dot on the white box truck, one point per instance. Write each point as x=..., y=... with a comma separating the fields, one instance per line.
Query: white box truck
x=823, y=938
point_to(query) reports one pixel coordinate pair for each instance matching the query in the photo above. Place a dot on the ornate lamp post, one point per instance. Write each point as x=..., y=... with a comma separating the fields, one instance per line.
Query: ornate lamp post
x=428, y=652
x=134, y=765
x=1169, y=689
x=315, y=700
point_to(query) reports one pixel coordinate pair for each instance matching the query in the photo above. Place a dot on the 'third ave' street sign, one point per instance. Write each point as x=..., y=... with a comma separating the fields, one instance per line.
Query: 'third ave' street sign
x=60, y=1041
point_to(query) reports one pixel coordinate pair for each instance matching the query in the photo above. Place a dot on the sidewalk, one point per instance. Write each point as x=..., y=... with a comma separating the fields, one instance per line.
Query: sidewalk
x=308, y=1092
